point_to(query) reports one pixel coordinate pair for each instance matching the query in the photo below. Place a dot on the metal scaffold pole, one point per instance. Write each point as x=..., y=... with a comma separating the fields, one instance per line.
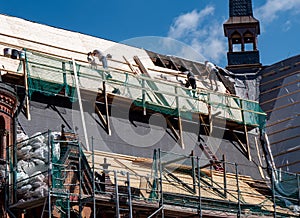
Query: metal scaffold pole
x=238, y=190
x=93, y=162
x=80, y=180
x=117, y=195
x=161, y=184
x=49, y=172
x=129, y=195
x=199, y=187
x=273, y=191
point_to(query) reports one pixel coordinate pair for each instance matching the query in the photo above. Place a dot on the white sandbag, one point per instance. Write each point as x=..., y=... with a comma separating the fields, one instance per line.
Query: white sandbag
x=22, y=179
x=37, y=144
x=29, y=167
x=40, y=191
x=38, y=161
x=41, y=168
x=37, y=137
x=24, y=189
x=26, y=149
x=41, y=153
x=22, y=139
x=20, y=154
x=36, y=177
x=20, y=165
x=38, y=184
x=28, y=156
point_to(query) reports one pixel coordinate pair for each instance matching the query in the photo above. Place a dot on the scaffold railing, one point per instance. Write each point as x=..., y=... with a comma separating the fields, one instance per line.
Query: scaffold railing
x=53, y=76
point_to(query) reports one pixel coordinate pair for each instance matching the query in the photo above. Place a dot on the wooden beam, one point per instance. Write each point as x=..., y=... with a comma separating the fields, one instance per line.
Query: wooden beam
x=141, y=66
x=161, y=60
x=106, y=109
x=130, y=65
x=173, y=62
x=245, y=132
x=240, y=143
x=80, y=105
x=210, y=120
x=259, y=159
x=144, y=97
x=179, y=119
x=170, y=125
x=98, y=112
x=247, y=142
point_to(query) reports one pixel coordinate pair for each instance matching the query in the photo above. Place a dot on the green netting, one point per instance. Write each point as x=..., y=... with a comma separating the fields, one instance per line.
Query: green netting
x=253, y=114
x=52, y=76
x=49, y=76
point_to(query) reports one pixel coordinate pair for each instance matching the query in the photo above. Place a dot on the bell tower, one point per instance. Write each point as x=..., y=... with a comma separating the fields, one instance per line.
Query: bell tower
x=242, y=30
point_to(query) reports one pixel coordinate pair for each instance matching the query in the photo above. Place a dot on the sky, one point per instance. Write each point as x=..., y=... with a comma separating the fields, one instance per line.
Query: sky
x=195, y=23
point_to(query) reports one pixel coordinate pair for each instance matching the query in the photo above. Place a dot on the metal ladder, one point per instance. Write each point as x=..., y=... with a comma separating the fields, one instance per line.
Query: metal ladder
x=121, y=210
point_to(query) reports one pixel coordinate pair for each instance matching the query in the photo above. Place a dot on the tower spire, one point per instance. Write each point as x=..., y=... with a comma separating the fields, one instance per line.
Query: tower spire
x=242, y=30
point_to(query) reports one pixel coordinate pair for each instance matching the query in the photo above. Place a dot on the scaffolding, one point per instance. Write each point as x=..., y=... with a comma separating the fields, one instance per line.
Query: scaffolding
x=163, y=186
x=72, y=182
x=55, y=76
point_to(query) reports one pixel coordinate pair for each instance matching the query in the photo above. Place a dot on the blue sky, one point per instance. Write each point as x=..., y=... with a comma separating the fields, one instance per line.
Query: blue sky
x=197, y=23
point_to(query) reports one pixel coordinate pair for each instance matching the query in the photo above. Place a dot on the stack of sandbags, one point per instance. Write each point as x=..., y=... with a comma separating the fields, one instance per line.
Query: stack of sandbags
x=33, y=156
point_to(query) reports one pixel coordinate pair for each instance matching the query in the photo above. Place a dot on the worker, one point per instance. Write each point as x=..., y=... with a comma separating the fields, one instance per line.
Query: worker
x=101, y=57
x=212, y=72
x=190, y=81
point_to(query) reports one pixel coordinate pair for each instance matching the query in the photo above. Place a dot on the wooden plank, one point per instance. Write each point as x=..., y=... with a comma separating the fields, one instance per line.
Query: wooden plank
x=106, y=109
x=247, y=143
x=141, y=66
x=245, y=132
x=160, y=59
x=80, y=105
x=130, y=65
x=170, y=125
x=259, y=159
x=179, y=119
x=239, y=141
x=173, y=62
x=98, y=112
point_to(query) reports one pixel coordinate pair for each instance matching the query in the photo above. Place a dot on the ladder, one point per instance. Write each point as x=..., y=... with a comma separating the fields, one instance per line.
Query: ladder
x=212, y=157
x=127, y=208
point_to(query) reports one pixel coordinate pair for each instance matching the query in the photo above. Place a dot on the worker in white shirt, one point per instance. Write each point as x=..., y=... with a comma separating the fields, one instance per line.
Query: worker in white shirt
x=101, y=57
x=212, y=72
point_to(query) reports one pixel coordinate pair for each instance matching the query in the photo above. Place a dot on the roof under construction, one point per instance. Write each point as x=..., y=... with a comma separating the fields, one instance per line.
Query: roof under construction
x=136, y=143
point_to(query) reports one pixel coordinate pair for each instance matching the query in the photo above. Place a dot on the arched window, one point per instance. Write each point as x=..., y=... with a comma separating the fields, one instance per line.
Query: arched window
x=249, y=41
x=236, y=41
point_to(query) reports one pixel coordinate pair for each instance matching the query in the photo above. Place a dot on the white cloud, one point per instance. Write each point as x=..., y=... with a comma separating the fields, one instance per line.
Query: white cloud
x=271, y=9
x=188, y=22
x=201, y=31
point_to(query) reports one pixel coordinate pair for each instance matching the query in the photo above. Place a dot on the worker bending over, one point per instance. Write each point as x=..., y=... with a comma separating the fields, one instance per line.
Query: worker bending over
x=101, y=57
x=190, y=81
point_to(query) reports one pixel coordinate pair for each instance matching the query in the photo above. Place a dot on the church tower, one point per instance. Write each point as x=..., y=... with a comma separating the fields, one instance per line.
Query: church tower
x=242, y=30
